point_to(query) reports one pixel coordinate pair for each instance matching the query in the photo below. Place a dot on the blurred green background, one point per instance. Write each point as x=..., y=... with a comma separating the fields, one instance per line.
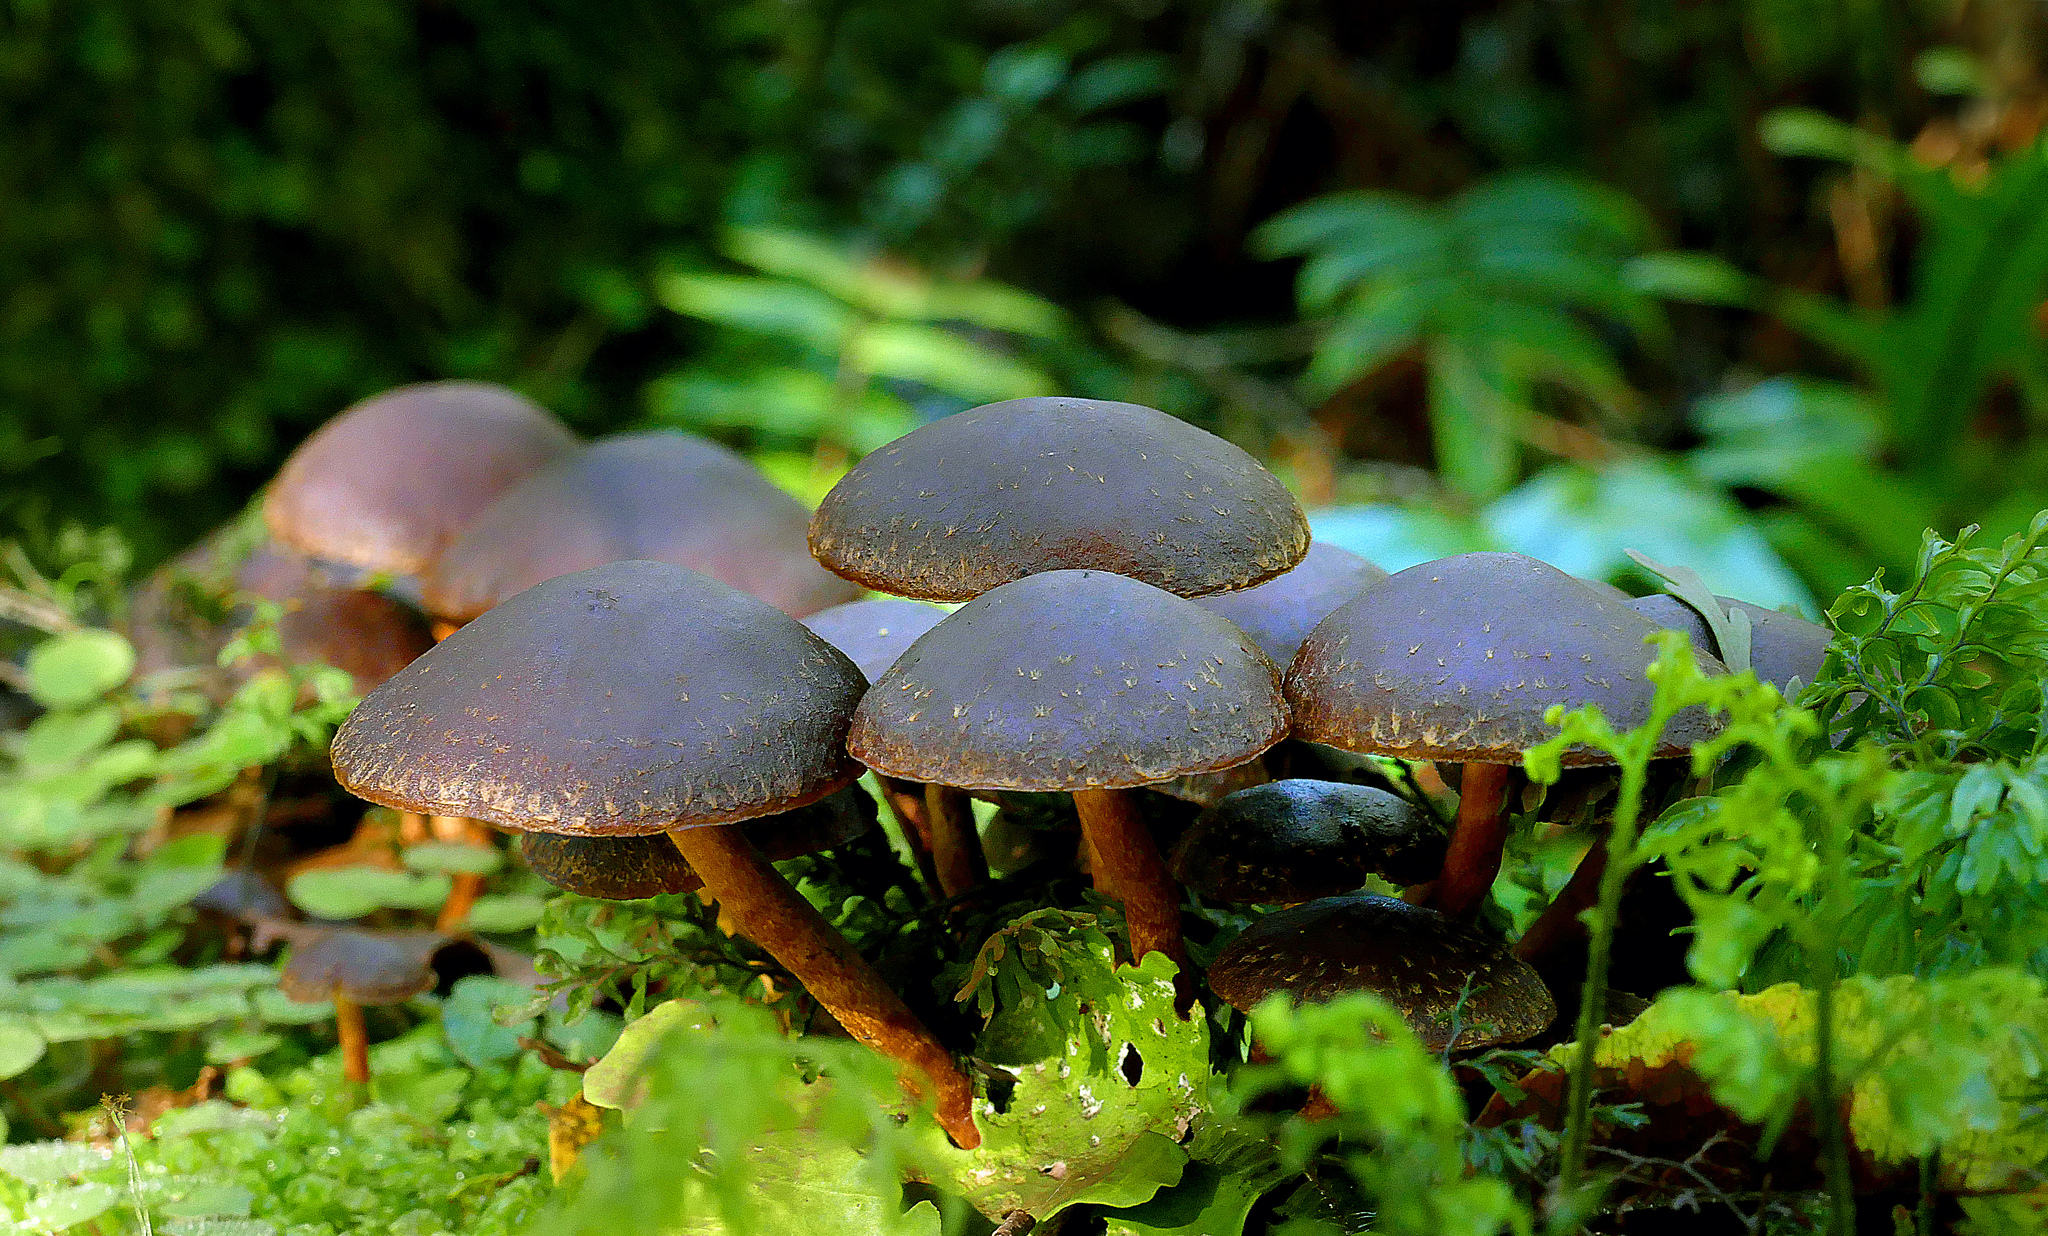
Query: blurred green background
x=1754, y=287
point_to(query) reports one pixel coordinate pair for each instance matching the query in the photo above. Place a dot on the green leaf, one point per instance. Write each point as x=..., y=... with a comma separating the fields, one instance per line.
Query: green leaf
x=352, y=892
x=469, y=1017
x=1695, y=278
x=21, y=1045
x=74, y=668
x=620, y=1079
x=944, y=361
x=452, y=858
x=58, y=1209
x=770, y=306
x=498, y=912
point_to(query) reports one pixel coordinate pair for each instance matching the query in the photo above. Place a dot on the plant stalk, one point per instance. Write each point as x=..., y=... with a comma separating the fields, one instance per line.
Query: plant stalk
x=1129, y=869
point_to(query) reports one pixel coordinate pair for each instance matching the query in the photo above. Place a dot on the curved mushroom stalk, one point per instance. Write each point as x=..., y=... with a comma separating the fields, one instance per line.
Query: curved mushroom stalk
x=775, y=916
x=1478, y=840
x=1129, y=869
x=957, y=859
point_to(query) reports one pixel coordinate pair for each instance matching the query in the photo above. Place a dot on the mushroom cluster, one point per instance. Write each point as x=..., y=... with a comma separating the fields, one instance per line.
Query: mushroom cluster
x=1139, y=604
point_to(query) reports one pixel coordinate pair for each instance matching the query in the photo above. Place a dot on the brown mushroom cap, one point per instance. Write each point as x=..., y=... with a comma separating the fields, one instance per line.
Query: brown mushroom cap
x=660, y=496
x=1297, y=840
x=1417, y=958
x=1460, y=658
x=634, y=697
x=367, y=635
x=874, y=633
x=629, y=868
x=388, y=483
x=1781, y=646
x=1280, y=613
x=995, y=493
x=368, y=967
x=1071, y=680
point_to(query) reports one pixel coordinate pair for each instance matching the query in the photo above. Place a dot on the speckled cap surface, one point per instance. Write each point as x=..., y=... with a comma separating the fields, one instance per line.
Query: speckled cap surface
x=1006, y=490
x=659, y=496
x=368, y=967
x=1460, y=658
x=875, y=632
x=629, y=868
x=1418, y=958
x=390, y=482
x=1781, y=646
x=1280, y=613
x=1296, y=840
x=1071, y=680
x=629, y=698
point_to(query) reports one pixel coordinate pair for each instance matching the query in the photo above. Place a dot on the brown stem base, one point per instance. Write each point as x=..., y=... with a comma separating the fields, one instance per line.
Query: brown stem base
x=355, y=1040
x=1128, y=868
x=776, y=917
x=1477, y=839
x=956, y=848
x=905, y=800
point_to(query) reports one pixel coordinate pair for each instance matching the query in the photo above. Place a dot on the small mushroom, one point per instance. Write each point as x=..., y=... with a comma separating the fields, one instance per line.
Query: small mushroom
x=1079, y=681
x=354, y=967
x=1781, y=646
x=1454, y=986
x=660, y=496
x=1280, y=613
x=629, y=868
x=391, y=481
x=1297, y=840
x=1459, y=660
x=1006, y=490
x=937, y=820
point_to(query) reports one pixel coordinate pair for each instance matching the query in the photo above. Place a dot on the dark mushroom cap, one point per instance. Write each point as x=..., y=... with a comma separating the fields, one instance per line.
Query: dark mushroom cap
x=1460, y=658
x=368, y=967
x=1418, y=958
x=629, y=868
x=367, y=635
x=1071, y=680
x=391, y=481
x=1781, y=646
x=661, y=497
x=630, y=698
x=995, y=493
x=1280, y=613
x=874, y=633
x=1298, y=840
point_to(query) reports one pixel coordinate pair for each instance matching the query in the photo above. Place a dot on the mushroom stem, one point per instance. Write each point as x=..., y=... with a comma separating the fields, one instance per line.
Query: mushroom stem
x=355, y=1039
x=1560, y=925
x=956, y=849
x=463, y=887
x=905, y=800
x=1477, y=839
x=1128, y=868
x=776, y=917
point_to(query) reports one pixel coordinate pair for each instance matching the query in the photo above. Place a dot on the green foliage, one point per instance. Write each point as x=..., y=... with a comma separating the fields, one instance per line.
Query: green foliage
x=1489, y=285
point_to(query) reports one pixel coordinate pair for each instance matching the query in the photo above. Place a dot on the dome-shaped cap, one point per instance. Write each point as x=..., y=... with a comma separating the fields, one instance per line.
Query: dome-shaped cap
x=874, y=633
x=173, y=620
x=391, y=481
x=366, y=966
x=1280, y=613
x=995, y=493
x=1460, y=658
x=630, y=698
x=1781, y=646
x=659, y=496
x=629, y=868
x=1419, y=959
x=1297, y=840
x=1071, y=680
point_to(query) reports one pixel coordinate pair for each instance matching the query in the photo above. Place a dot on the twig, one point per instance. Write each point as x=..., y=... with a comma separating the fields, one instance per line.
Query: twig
x=552, y=1056
x=33, y=611
x=1016, y=1223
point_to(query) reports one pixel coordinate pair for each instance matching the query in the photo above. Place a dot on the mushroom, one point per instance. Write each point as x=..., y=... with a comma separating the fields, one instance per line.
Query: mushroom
x=1280, y=613
x=1296, y=840
x=353, y=967
x=995, y=493
x=390, y=482
x=937, y=820
x=1081, y=681
x=1782, y=647
x=1455, y=987
x=629, y=868
x=1459, y=660
x=638, y=698
x=660, y=496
